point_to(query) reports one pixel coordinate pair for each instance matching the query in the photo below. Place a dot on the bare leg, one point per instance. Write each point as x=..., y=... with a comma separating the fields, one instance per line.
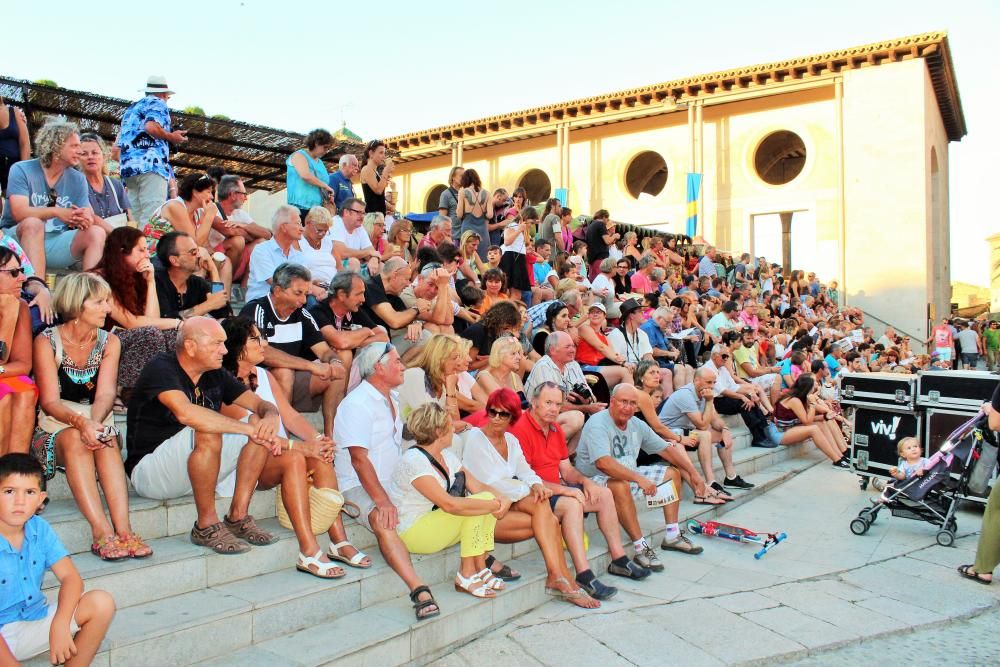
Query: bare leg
x=396, y=554
x=615, y=375
x=249, y=468
x=725, y=454
x=325, y=478
x=203, y=469
x=5, y=404
x=31, y=238
x=331, y=394
x=93, y=614
x=628, y=517
x=705, y=454
x=22, y=422
x=89, y=246
x=666, y=382
x=285, y=378
x=82, y=480
x=569, y=511
x=607, y=521
x=571, y=422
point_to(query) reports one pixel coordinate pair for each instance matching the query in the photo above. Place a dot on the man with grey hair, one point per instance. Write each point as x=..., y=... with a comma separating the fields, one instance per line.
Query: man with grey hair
x=340, y=180
x=340, y=319
x=431, y=291
x=560, y=367
x=368, y=448
x=309, y=371
x=642, y=279
x=55, y=224
x=282, y=247
x=144, y=140
x=241, y=232
x=438, y=231
x=179, y=443
x=706, y=265
x=385, y=307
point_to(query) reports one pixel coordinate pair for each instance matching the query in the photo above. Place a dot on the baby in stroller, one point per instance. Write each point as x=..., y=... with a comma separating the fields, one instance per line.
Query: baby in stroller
x=914, y=463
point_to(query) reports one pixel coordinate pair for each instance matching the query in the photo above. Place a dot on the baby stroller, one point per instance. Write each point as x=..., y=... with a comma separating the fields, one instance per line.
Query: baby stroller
x=933, y=497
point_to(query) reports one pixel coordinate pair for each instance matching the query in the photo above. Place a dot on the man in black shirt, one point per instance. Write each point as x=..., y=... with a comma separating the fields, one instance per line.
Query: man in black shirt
x=386, y=308
x=600, y=235
x=308, y=370
x=343, y=325
x=178, y=442
x=182, y=294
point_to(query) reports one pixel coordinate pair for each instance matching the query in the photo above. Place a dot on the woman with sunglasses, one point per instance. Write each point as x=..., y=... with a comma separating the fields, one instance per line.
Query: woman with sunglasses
x=307, y=459
x=495, y=458
x=18, y=393
x=76, y=367
x=620, y=278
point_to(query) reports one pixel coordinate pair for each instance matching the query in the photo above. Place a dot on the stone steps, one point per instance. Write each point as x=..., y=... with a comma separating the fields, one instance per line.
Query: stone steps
x=185, y=604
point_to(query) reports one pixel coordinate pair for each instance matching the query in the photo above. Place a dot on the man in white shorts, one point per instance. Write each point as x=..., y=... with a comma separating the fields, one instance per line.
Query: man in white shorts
x=609, y=447
x=178, y=442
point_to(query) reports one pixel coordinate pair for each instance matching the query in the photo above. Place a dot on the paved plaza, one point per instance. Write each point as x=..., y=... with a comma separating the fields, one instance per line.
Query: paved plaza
x=823, y=597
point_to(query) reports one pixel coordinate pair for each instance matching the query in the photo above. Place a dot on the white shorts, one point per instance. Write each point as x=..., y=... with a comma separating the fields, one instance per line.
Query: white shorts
x=163, y=474
x=654, y=473
x=27, y=639
x=765, y=381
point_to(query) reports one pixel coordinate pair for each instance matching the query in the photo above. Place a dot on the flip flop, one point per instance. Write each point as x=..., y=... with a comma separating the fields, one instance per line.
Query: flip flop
x=707, y=500
x=966, y=571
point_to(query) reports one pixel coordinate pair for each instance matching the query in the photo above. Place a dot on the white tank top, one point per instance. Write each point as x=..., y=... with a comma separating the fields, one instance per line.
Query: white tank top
x=266, y=393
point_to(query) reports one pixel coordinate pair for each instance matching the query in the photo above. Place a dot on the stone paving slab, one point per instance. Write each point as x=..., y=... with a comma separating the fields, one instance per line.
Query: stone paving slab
x=562, y=643
x=644, y=641
x=801, y=628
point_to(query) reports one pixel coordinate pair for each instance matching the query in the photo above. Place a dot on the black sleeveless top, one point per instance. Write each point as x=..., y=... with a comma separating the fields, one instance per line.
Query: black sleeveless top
x=9, y=144
x=374, y=202
x=79, y=384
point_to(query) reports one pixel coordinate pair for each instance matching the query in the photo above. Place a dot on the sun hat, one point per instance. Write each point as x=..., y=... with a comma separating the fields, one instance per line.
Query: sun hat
x=157, y=84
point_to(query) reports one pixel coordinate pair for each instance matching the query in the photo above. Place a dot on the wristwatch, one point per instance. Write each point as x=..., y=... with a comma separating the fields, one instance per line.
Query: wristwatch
x=2, y=370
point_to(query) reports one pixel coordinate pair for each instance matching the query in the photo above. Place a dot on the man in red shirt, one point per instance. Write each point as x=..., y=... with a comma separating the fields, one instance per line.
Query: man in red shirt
x=544, y=447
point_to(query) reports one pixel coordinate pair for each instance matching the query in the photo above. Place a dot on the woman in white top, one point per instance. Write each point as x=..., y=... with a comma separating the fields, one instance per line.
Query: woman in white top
x=504, y=369
x=495, y=458
x=433, y=376
x=297, y=465
x=431, y=518
x=603, y=287
x=514, y=260
x=317, y=247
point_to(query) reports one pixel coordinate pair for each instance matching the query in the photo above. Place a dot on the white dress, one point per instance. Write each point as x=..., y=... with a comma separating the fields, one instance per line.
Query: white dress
x=512, y=477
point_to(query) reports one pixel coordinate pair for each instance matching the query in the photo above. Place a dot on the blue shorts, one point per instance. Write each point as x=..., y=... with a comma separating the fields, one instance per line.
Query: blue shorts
x=57, y=248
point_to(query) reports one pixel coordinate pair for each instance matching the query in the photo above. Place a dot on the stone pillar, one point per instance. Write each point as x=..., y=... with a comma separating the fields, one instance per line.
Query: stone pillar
x=994, y=242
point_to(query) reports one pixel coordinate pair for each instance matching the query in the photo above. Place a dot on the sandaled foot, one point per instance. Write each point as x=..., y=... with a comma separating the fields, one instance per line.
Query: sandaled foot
x=351, y=509
x=719, y=491
x=345, y=552
x=219, y=539
x=109, y=548
x=562, y=589
x=504, y=571
x=473, y=586
x=317, y=567
x=135, y=545
x=491, y=580
x=247, y=529
x=424, y=604
x=710, y=499
x=969, y=573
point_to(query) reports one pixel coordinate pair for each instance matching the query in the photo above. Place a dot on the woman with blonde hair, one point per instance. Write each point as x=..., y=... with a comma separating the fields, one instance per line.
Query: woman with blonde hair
x=108, y=197
x=504, y=368
x=76, y=368
x=432, y=377
x=432, y=517
x=374, y=224
x=472, y=266
x=399, y=238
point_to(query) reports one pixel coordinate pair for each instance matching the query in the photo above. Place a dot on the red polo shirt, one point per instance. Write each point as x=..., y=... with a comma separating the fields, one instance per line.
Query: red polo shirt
x=543, y=449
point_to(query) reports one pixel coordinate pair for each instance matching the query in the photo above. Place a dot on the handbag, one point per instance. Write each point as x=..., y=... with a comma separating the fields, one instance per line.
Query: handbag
x=121, y=219
x=455, y=488
x=52, y=425
x=324, y=508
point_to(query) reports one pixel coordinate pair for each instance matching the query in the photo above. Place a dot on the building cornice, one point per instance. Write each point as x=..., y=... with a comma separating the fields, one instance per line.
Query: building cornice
x=671, y=95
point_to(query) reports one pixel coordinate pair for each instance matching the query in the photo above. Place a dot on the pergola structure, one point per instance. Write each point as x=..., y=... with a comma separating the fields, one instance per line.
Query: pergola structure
x=254, y=152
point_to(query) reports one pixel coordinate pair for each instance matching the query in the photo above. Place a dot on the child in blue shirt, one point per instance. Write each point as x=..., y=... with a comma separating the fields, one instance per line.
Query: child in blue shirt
x=73, y=630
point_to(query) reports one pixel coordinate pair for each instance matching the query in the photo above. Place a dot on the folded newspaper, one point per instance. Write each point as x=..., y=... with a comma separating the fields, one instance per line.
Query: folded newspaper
x=666, y=494
x=684, y=334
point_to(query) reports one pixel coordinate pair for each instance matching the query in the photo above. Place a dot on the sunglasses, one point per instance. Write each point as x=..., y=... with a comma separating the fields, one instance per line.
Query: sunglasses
x=497, y=414
x=15, y=272
x=388, y=348
x=53, y=197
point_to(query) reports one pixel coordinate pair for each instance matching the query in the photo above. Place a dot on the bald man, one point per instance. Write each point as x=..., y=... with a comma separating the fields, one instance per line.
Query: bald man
x=179, y=444
x=608, y=451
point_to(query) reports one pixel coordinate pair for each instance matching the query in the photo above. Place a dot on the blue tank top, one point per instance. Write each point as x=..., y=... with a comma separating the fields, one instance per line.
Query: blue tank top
x=300, y=193
x=9, y=145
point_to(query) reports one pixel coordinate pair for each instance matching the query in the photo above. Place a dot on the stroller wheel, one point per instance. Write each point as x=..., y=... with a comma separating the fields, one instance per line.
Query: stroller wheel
x=868, y=515
x=945, y=538
x=859, y=526
x=878, y=484
x=863, y=481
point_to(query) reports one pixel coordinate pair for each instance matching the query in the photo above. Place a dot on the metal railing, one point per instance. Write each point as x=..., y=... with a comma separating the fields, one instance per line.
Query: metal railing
x=900, y=330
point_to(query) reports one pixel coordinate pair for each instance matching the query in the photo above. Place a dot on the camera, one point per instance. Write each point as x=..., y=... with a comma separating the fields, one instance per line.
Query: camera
x=583, y=390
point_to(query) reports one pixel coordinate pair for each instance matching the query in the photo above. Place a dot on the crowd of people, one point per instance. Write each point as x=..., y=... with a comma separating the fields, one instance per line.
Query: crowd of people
x=506, y=373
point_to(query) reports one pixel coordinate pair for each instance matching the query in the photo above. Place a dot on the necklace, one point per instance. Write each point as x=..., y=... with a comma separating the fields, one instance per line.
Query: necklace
x=81, y=344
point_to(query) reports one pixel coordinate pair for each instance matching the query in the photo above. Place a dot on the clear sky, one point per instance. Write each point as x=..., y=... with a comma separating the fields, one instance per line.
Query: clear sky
x=388, y=67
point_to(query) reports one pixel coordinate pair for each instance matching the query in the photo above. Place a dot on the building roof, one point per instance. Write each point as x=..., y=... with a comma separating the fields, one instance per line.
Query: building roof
x=254, y=152
x=664, y=97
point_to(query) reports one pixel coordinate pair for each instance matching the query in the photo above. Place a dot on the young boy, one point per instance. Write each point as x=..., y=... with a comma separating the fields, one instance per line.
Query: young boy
x=74, y=629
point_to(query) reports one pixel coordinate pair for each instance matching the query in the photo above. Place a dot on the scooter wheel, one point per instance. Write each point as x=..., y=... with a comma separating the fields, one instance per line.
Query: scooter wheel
x=859, y=526
x=945, y=538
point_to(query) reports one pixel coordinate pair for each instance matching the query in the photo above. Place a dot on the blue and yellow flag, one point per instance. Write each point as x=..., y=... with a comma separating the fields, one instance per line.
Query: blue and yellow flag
x=693, y=187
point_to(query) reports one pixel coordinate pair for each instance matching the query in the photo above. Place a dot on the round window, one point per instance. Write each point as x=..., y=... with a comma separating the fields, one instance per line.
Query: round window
x=434, y=198
x=536, y=185
x=780, y=157
x=646, y=174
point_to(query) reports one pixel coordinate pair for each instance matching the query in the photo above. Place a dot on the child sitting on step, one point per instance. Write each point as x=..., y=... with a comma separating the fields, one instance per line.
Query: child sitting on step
x=73, y=630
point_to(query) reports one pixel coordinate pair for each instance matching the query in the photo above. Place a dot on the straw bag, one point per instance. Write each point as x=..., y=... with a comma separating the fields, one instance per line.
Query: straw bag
x=324, y=507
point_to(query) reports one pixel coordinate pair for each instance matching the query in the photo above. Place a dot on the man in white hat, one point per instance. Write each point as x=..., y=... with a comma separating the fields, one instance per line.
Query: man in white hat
x=143, y=140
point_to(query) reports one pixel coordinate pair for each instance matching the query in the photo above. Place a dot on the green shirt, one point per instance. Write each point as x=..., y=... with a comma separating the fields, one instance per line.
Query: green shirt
x=992, y=337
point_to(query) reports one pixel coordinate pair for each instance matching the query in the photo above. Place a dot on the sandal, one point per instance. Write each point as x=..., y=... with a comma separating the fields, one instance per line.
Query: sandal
x=354, y=561
x=579, y=597
x=966, y=571
x=473, y=586
x=136, y=547
x=505, y=572
x=317, y=568
x=707, y=500
x=351, y=509
x=219, y=539
x=491, y=580
x=109, y=548
x=420, y=606
x=247, y=529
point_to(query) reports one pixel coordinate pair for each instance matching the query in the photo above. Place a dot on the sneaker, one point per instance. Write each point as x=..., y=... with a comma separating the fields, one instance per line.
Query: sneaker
x=842, y=463
x=766, y=444
x=681, y=543
x=630, y=571
x=598, y=590
x=647, y=558
x=737, y=483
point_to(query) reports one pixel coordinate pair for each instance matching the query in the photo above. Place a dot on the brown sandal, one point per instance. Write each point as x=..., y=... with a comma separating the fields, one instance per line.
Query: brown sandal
x=247, y=529
x=219, y=539
x=135, y=545
x=109, y=548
